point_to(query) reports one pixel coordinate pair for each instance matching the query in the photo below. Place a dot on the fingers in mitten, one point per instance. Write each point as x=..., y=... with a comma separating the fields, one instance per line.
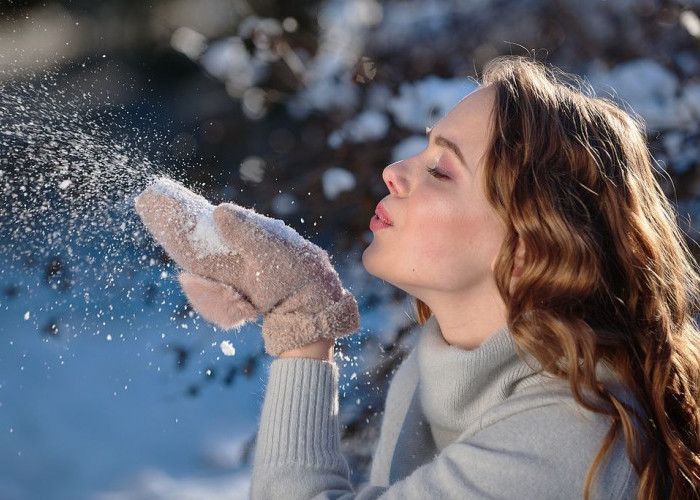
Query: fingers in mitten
x=217, y=302
x=163, y=188
x=182, y=222
x=249, y=231
x=279, y=261
x=168, y=222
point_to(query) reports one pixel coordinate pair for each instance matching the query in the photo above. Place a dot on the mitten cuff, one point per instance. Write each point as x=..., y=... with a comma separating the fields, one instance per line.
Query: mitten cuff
x=290, y=330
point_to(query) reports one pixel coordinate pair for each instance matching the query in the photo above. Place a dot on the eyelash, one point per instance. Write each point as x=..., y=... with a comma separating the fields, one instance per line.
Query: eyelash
x=436, y=173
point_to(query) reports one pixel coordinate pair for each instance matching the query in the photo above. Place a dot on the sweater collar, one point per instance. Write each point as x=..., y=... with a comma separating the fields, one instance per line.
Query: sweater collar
x=457, y=385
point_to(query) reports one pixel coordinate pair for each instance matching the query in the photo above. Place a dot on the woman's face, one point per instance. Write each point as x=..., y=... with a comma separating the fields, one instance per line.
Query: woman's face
x=442, y=236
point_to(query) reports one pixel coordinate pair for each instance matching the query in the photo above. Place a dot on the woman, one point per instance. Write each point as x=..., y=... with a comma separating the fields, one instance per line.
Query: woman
x=559, y=353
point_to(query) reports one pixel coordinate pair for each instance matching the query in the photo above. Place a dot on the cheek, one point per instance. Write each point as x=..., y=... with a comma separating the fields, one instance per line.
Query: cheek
x=443, y=225
x=442, y=242
x=457, y=236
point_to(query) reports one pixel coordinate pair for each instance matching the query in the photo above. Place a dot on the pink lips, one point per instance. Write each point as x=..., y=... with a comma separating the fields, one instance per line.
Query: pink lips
x=380, y=220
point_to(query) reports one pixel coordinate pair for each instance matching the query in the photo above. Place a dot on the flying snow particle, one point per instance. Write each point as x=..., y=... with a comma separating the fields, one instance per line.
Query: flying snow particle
x=227, y=348
x=26, y=315
x=65, y=184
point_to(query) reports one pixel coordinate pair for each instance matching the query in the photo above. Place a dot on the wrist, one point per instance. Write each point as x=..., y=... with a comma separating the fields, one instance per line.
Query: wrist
x=322, y=349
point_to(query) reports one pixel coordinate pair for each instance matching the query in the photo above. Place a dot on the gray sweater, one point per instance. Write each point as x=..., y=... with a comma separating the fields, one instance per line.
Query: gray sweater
x=457, y=424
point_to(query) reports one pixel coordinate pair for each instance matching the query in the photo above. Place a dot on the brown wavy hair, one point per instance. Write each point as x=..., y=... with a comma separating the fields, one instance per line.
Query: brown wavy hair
x=608, y=275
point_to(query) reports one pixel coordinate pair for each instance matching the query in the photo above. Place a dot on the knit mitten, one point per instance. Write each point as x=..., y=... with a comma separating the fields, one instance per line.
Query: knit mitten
x=238, y=264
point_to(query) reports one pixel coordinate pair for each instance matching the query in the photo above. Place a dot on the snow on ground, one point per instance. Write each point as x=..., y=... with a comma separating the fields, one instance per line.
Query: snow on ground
x=96, y=410
x=156, y=485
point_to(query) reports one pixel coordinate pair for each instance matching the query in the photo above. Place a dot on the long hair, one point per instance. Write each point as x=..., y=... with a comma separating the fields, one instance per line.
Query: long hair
x=608, y=275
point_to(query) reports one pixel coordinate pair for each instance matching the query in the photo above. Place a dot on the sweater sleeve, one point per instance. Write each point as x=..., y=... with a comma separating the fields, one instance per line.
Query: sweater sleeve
x=540, y=452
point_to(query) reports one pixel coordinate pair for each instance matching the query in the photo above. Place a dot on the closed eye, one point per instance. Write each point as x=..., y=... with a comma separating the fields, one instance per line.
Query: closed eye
x=436, y=173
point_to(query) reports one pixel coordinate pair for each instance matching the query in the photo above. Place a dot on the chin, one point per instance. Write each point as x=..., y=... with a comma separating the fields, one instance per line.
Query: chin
x=376, y=269
x=368, y=262
x=376, y=264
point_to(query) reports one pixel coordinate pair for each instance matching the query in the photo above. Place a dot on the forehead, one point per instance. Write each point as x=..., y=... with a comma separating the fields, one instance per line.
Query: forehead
x=469, y=120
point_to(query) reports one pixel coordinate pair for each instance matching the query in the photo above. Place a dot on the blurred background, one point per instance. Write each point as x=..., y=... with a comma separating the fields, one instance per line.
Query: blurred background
x=111, y=387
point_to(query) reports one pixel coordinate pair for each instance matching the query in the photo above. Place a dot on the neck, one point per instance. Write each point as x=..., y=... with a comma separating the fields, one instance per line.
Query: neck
x=466, y=320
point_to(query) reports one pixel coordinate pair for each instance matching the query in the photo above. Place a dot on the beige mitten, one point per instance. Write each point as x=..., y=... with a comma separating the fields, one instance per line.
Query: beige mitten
x=239, y=264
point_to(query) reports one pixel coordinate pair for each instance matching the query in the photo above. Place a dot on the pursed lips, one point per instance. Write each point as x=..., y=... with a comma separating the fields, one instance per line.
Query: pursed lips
x=383, y=215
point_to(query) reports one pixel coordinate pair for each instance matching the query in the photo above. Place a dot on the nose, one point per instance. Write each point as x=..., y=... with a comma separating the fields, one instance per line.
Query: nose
x=395, y=179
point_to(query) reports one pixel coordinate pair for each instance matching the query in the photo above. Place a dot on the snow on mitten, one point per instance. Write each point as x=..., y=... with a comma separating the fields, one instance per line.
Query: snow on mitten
x=182, y=222
x=288, y=278
x=239, y=264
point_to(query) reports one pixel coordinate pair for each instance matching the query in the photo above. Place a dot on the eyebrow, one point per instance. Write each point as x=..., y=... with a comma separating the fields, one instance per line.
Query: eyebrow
x=446, y=143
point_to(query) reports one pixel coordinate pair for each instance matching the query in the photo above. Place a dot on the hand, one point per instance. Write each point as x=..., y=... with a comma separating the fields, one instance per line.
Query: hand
x=239, y=264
